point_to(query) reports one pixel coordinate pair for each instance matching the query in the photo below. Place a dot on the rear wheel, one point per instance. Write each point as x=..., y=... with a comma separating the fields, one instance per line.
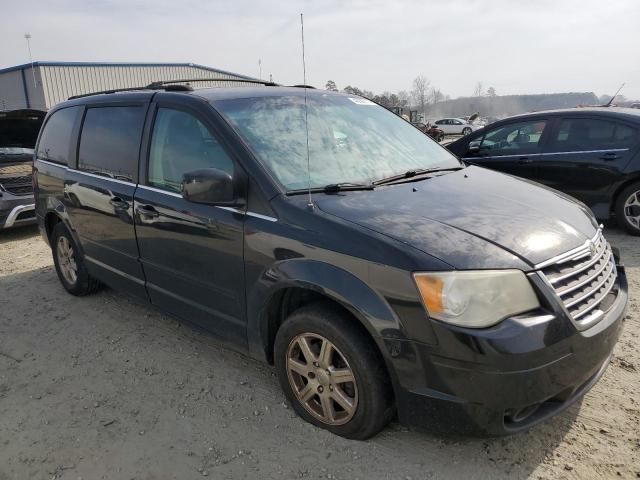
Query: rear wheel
x=69, y=263
x=628, y=209
x=332, y=373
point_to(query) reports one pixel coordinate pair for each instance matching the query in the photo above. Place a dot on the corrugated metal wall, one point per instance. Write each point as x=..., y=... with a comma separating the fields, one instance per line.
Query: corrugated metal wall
x=56, y=83
x=62, y=82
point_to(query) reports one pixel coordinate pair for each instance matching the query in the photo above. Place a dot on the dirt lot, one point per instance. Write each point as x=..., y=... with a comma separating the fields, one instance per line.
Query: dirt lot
x=105, y=387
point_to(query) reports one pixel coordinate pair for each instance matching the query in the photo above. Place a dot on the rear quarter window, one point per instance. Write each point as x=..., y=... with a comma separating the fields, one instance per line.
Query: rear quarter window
x=576, y=134
x=110, y=141
x=55, y=141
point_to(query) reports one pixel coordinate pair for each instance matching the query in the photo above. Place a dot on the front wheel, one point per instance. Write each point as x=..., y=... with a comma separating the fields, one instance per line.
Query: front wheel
x=466, y=131
x=628, y=209
x=332, y=373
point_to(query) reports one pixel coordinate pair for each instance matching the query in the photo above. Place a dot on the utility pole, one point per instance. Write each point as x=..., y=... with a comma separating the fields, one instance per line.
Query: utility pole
x=260, y=68
x=27, y=36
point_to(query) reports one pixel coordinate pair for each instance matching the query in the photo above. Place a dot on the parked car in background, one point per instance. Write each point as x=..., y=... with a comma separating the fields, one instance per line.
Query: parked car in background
x=377, y=272
x=18, y=133
x=434, y=132
x=592, y=154
x=456, y=126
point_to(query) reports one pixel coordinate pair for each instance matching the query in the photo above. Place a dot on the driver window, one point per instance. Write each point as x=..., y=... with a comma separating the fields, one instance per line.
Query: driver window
x=181, y=143
x=511, y=139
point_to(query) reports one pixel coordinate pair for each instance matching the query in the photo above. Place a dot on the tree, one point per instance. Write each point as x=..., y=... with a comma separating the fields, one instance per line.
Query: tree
x=491, y=92
x=403, y=98
x=419, y=92
x=479, y=90
x=331, y=86
x=436, y=95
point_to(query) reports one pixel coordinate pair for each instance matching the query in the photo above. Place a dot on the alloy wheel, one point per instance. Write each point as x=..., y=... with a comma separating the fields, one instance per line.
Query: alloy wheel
x=632, y=209
x=66, y=261
x=322, y=379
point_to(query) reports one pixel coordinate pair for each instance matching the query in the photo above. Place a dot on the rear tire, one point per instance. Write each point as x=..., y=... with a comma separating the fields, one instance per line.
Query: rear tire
x=355, y=374
x=627, y=209
x=70, y=265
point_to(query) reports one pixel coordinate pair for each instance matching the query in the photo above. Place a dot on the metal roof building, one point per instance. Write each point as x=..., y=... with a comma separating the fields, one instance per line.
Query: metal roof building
x=41, y=85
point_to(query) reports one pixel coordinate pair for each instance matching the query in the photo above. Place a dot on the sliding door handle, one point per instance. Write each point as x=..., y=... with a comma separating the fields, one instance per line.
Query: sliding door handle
x=147, y=211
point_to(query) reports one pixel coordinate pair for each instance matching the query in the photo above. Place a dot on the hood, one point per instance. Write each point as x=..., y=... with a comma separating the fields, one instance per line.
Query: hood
x=472, y=218
x=19, y=129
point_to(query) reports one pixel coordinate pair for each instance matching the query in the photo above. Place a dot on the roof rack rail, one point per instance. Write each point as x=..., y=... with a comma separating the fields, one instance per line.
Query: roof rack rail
x=162, y=83
x=170, y=85
x=303, y=86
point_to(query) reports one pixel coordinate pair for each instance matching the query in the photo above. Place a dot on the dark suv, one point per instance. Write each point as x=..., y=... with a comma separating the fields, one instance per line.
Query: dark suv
x=376, y=271
x=593, y=154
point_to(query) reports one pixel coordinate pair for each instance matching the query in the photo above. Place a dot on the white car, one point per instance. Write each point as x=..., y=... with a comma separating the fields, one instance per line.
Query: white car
x=456, y=126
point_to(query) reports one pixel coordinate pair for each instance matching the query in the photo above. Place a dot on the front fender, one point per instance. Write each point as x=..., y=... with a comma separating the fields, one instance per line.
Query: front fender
x=342, y=286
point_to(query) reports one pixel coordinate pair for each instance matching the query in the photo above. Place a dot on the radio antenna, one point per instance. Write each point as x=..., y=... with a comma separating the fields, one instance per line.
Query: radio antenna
x=306, y=112
x=614, y=96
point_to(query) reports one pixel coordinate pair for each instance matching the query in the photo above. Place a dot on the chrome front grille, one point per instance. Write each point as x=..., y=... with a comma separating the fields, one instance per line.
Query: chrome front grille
x=584, y=279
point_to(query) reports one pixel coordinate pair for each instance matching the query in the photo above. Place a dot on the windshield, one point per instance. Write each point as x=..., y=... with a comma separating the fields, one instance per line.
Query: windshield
x=351, y=139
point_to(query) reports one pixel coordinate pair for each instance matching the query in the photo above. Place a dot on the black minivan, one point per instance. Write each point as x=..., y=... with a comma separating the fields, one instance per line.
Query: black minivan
x=319, y=232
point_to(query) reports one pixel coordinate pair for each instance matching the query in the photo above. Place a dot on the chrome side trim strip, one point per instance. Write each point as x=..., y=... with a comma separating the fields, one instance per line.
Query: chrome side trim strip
x=159, y=190
x=263, y=217
x=13, y=214
x=611, y=150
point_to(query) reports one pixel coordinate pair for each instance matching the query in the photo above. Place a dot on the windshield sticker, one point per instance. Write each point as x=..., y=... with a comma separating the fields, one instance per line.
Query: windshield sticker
x=361, y=101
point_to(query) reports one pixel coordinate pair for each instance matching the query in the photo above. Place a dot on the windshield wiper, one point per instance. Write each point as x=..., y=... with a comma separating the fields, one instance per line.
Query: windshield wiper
x=337, y=187
x=334, y=187
x=414, y=173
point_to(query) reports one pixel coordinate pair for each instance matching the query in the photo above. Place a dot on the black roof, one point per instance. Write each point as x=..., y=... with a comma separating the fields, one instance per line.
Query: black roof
x=209, y=94
x=632, y=114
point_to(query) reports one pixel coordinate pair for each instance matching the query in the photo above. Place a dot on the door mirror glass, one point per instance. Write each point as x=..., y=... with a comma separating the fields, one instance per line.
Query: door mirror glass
x=208, y=185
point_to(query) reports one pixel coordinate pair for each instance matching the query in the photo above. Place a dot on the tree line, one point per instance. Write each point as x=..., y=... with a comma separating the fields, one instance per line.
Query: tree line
x=421, y=96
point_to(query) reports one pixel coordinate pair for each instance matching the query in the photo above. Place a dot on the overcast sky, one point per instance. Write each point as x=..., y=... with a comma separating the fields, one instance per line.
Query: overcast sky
x=516, y=46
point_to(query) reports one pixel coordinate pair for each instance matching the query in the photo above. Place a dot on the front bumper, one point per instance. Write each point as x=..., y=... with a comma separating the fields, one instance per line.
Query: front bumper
x=504, y=379
x=16, y=210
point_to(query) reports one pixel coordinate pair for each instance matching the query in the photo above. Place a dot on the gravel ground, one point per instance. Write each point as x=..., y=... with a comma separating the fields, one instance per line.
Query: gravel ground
x=107, y=387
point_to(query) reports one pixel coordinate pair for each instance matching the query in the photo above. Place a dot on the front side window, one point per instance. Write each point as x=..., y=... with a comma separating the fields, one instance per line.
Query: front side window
x=55, y=141
x=583, y=134
x=181, y=143
x=110, y=141
x=351, y=139
x=511, y=139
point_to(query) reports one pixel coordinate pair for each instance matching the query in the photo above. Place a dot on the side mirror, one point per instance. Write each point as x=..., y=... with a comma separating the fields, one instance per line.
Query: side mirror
x=208, y=185
x=475, y=148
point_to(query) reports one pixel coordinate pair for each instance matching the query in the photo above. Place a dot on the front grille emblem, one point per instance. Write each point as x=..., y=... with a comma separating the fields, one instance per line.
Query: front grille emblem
x=592, y=249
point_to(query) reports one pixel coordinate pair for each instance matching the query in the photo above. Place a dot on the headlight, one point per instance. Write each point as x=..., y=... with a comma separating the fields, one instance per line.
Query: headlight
x=475, y=299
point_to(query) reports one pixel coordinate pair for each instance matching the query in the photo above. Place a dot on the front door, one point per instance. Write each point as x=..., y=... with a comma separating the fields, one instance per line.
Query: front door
x=192, y=254
x=512, y=148
x=585, y=156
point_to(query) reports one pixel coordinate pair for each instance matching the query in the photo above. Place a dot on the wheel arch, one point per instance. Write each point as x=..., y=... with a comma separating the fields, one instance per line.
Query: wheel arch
x=620, y=188
x=298, y=282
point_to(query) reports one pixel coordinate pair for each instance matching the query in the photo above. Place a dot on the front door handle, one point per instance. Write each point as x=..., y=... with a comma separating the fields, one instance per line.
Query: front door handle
x=524, y=160
x=119, y=203
x=147, y=211
x=609, y=157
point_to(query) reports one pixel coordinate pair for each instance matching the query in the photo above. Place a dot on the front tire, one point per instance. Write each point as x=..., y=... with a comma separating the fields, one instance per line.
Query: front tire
x=628, y=209
x=332, y=373
x=70, y=266
x=466, y=131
